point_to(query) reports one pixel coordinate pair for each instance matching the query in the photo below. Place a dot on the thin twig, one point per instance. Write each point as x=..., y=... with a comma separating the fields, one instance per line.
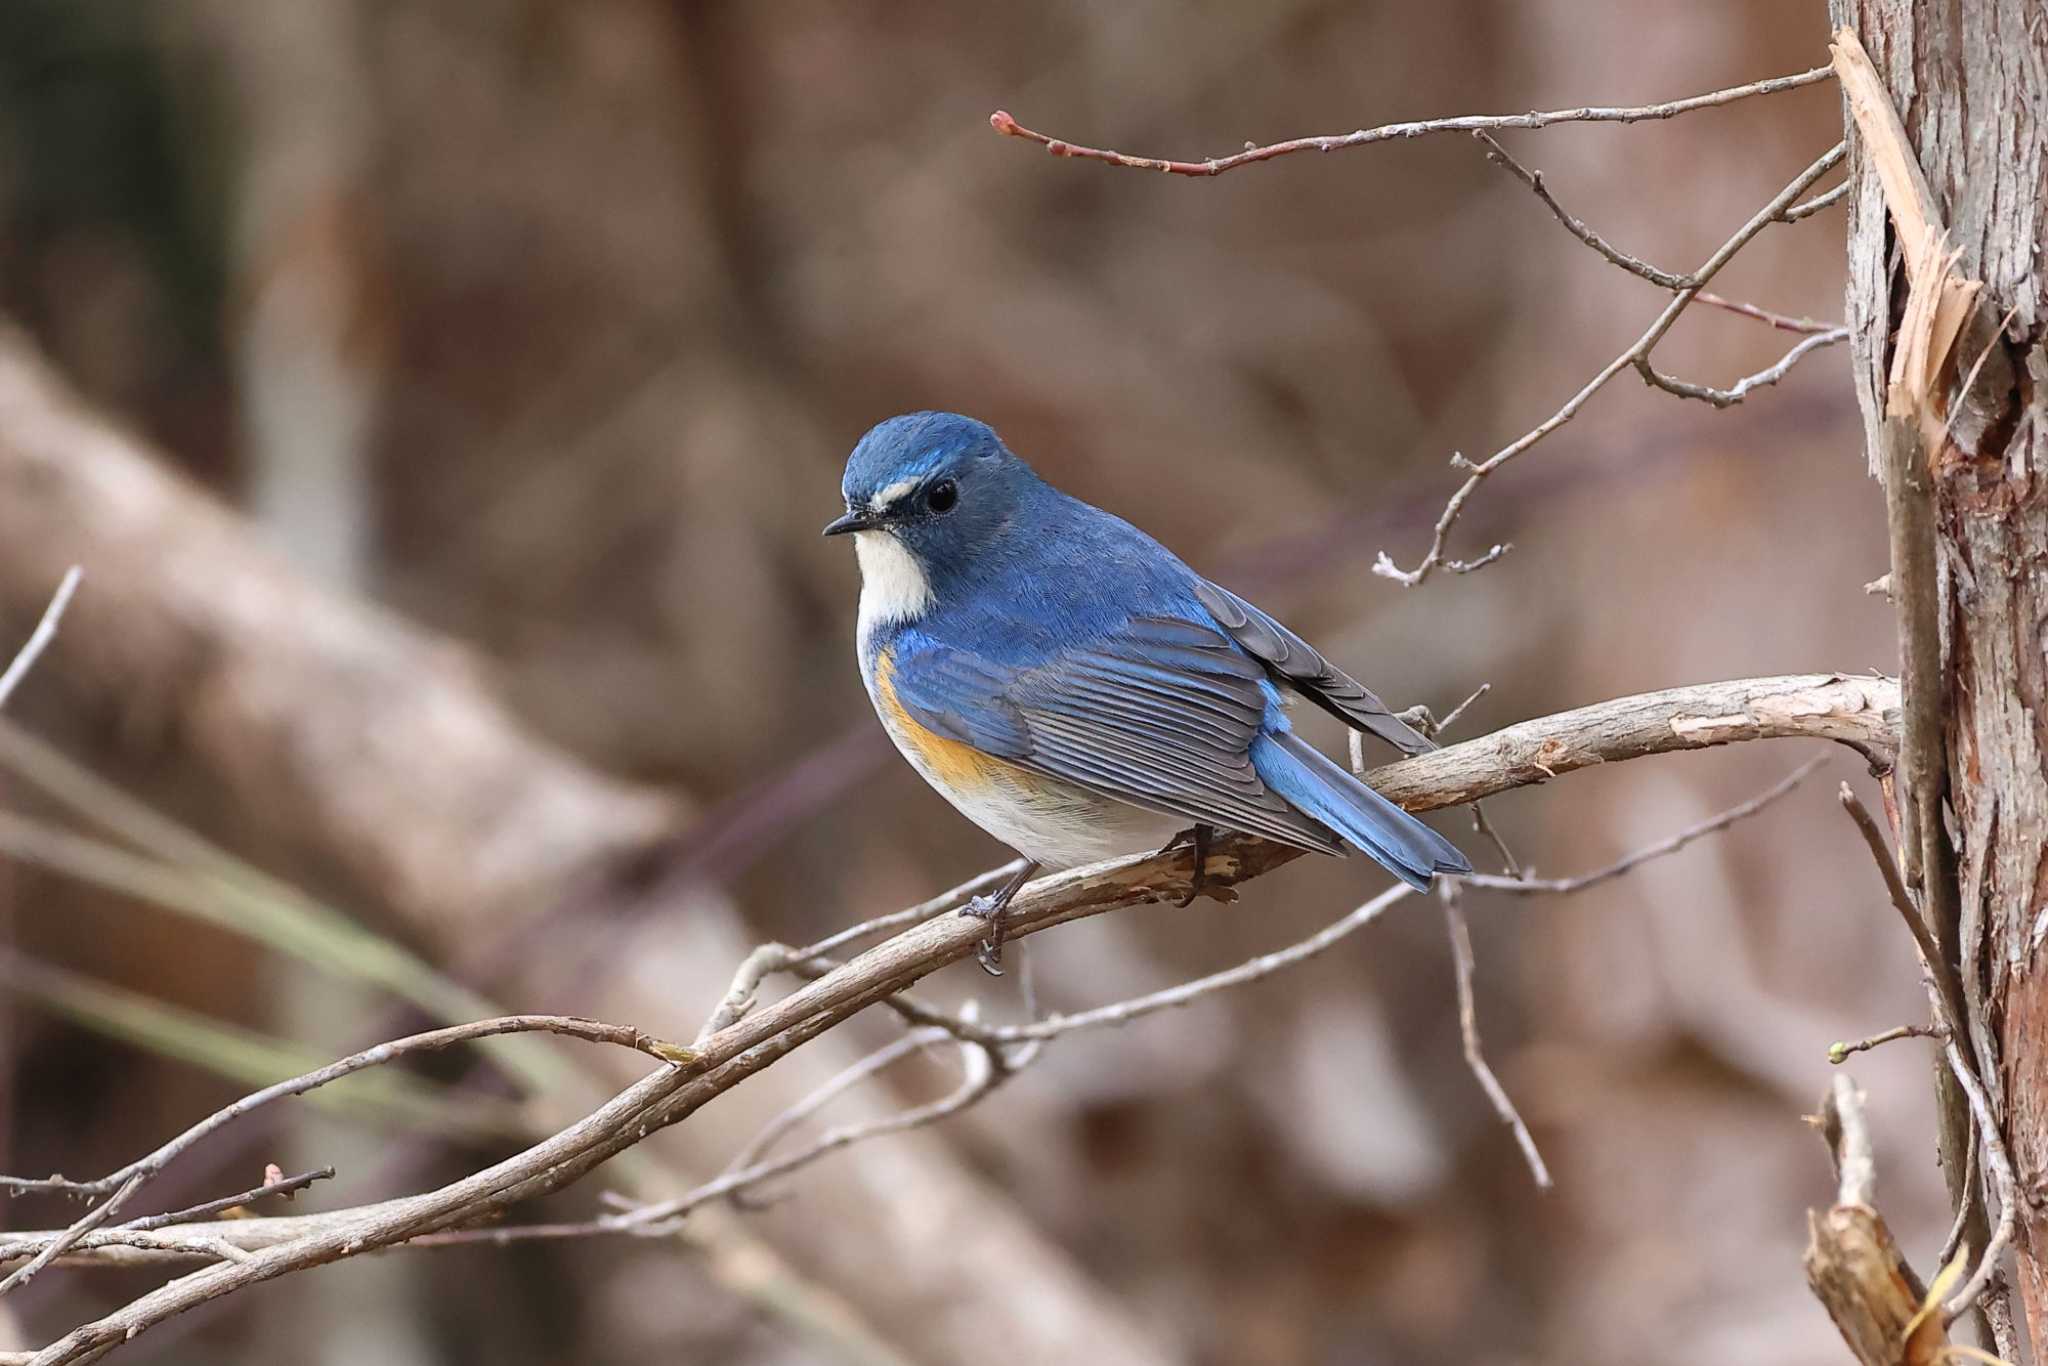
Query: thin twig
x=1781, y=321
x=985, y=1070
x=1839, y=1052
x=949, y=900
x=1748, y=384
x=284, y=1185
x=1961, y=1223
x=917, y=1041
x=79, y=1228
x=40, y=638
x=124, y=1183
x=1500, y=156
x=1817, y=203
x=1992, y=1146
x=1818, y=334
x=1565, y=886
x=1476, y=474
x=1468, y=1028
x=1950, y=991
x=1009, y=127
x=1946, y=996
x=1265, y=965
x=1510, y=866
x=1742, y=388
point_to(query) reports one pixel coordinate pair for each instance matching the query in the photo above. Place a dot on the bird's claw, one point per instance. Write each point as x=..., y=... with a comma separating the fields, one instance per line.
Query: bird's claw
x=1198, y=838
x=989, y=952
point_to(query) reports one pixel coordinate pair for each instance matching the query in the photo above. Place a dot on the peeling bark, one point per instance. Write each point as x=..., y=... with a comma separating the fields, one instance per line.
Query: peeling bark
x=1969, y=81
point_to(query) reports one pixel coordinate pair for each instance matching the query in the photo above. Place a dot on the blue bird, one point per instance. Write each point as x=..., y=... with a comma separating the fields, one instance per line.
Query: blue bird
x=1078, y=692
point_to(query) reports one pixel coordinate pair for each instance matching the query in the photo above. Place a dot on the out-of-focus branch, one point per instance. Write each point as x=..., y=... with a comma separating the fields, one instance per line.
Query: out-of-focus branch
x=40, y=638
x=1004, y=124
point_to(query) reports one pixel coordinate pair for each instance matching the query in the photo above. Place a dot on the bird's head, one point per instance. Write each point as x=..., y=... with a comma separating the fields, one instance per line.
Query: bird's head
x=929, y=496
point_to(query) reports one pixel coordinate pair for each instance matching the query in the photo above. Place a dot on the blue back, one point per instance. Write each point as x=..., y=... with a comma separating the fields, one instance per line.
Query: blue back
x=1065, y=639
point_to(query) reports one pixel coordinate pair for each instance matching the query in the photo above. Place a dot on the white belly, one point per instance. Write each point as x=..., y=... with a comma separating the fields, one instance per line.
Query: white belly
x=1056, y=823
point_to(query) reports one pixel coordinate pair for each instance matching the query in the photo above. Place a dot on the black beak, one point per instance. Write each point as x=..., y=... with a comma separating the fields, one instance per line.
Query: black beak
x=852, y=521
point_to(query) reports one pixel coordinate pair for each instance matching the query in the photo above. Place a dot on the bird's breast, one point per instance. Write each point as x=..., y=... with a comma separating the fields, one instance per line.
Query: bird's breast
x=1057, y=823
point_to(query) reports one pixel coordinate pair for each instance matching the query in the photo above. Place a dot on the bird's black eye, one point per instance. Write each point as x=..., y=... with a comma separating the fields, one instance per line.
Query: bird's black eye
x=942, y=495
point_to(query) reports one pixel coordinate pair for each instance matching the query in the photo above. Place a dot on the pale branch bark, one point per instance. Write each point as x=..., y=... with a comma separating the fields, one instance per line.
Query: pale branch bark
x=1861, y=713
x=1004, y=124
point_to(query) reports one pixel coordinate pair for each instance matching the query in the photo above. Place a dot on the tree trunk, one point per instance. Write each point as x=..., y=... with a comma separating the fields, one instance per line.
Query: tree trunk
x=1969, y=79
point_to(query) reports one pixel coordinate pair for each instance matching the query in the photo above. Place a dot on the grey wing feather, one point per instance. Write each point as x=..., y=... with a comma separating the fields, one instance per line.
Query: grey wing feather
x=1163, y=715
x=1296, y=661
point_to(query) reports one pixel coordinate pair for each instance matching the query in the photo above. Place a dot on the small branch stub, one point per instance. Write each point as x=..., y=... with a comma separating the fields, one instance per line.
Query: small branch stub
x=1852, y=1262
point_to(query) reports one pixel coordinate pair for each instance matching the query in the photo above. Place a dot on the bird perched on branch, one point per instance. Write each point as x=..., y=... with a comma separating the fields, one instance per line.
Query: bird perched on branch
x=1077, y=691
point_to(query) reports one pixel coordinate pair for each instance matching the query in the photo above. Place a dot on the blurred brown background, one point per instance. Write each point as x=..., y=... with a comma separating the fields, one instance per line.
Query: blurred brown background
x=548, y=326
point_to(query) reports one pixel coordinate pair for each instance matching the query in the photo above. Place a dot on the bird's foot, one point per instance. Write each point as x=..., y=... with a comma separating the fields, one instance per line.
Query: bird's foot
x=1198, y=881
x=989, y=952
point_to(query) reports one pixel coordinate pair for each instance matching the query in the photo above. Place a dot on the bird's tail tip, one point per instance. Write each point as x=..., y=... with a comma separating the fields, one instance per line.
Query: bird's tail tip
x=1397, y=841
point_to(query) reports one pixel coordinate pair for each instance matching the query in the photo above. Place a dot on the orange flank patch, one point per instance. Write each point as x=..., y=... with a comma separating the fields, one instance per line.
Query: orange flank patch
x=947, y=763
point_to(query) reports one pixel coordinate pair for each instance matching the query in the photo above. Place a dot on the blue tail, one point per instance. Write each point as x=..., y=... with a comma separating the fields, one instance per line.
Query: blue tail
x=1317, y=787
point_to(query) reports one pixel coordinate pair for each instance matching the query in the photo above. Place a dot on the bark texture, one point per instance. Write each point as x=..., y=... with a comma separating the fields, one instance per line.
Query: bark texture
x=1969, y=81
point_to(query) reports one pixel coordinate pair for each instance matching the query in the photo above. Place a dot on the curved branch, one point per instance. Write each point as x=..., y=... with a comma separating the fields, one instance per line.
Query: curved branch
x=1862, y=712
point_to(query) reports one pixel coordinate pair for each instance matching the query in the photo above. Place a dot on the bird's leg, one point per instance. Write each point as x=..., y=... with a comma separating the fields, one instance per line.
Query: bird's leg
x=1200, y=836
x=991, y=909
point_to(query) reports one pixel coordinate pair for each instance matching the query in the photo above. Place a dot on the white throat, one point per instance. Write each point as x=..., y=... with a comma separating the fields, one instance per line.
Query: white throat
x=893, y=585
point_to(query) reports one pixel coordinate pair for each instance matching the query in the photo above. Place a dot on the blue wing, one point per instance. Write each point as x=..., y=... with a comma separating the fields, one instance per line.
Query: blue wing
x=1162, y=713
x=1294, y=659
